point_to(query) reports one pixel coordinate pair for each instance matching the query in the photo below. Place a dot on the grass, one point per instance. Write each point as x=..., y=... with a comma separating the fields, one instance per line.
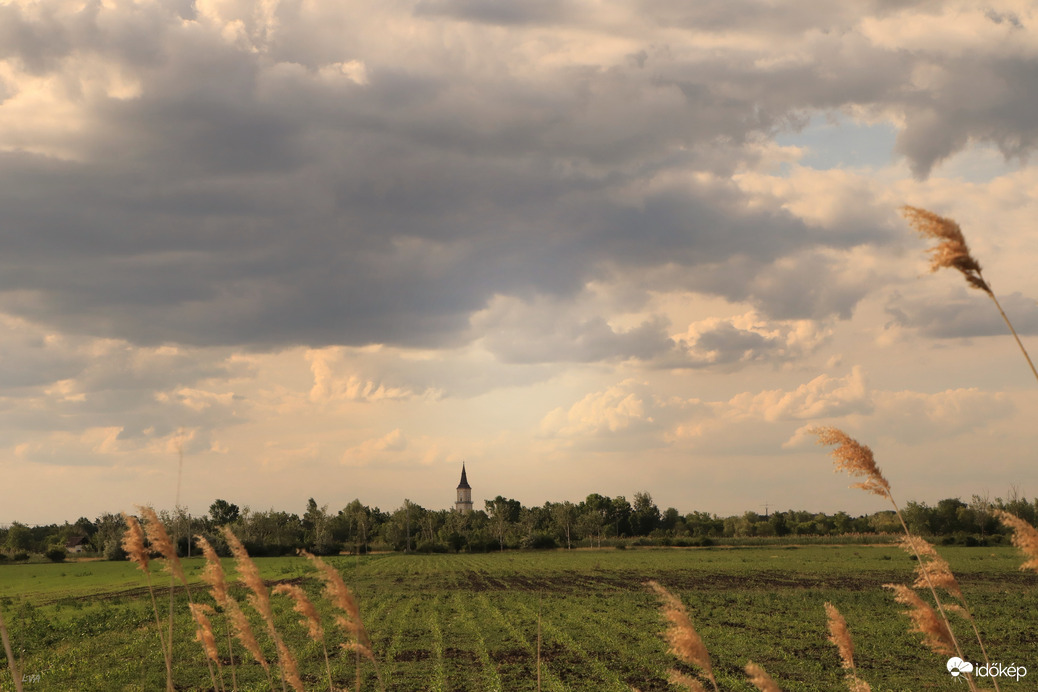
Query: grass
x=472, y=624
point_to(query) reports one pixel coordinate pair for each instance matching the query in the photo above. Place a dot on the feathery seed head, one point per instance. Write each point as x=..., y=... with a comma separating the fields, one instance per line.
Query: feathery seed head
x=951, y=250
x=133, y=542
x=289, y=666
x=840, y=636
x=1025, y=537
x=856, y=684
x=160, y=539
x=249, y=575
x=204, y=635
x=935, y=633
x=243, y=631
x=339, y=594
x=213, y=573
x=305, y=607
x=760, y=679
x=685, y=642
x=679, y=679
x=854, y=458
x=932, y=569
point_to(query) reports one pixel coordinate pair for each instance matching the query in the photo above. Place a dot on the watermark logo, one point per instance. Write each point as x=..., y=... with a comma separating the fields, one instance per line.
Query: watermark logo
x=956, y=666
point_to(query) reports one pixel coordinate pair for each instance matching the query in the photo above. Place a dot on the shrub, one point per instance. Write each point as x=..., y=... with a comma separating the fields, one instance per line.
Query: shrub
x=56, y=554
x=539, y=541
x=20, y=557
x=114, y=550
x=431, y=547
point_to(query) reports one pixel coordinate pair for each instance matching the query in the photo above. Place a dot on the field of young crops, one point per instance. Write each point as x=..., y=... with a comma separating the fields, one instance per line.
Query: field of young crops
x=471, y=622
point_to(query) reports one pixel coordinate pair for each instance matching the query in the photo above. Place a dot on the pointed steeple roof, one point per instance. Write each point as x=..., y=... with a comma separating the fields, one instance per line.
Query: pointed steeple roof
x=464, y=485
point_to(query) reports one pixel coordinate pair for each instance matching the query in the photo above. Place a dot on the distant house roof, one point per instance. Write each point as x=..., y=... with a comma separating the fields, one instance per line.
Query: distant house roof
x=464, y=485
x=75, y=541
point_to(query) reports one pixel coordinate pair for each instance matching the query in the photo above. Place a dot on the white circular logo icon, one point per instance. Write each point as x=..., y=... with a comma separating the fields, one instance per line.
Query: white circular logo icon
x=957, y=666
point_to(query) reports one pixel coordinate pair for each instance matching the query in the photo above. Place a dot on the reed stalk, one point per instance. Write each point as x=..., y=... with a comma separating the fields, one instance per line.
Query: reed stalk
x=9, y=652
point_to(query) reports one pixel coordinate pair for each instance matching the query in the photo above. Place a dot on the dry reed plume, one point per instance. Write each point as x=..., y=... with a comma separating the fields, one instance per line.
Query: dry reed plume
x=840, y=636
x=133, y=544
x=248, y=573
x=1025, y=537
x=679, y=679
x=204, y=635
x=936, y=633
x=214, y=576
x=951, y=252
x=931, y=568
x=856, y=459
x=760, y=679
x=685, y=642
x=311, y=620
x=161, y=541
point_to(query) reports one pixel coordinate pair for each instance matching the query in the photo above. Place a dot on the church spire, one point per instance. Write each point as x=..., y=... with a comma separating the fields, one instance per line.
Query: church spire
x=464, y=502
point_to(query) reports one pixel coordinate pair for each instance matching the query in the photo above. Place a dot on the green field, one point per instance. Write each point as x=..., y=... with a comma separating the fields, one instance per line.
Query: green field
x=470, y=622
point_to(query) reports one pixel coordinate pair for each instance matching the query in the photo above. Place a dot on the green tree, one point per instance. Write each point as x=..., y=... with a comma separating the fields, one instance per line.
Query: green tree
x=223, y=512
x=564, y=514
x=504, y=514
x=19, y=538
x=645, y=517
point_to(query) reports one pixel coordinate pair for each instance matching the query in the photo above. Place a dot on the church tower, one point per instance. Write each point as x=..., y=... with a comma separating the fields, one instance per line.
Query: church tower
x=464, y=503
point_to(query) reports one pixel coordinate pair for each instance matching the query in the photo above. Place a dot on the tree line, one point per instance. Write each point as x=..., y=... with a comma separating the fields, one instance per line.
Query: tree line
x=506, y=524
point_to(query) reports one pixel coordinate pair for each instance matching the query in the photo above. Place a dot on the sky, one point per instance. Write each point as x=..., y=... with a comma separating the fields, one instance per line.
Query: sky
x=335, y=249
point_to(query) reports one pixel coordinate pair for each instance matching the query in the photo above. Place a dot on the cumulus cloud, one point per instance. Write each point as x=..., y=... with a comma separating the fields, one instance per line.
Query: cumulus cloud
x=627, y=409
x=747, y=338
x=330, y=386
x=822, y=397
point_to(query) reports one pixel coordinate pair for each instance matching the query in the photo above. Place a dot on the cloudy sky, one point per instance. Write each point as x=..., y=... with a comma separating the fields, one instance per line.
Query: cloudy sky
x=332, y=249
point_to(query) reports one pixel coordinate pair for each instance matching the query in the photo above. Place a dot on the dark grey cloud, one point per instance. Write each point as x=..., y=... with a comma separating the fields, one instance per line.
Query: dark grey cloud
x=500, y=13
x=535, y=339
x=260, y=192
x=964, y=314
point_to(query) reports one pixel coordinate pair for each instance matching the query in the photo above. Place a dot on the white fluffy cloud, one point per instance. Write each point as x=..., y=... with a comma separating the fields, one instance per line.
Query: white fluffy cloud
x=748, y=338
